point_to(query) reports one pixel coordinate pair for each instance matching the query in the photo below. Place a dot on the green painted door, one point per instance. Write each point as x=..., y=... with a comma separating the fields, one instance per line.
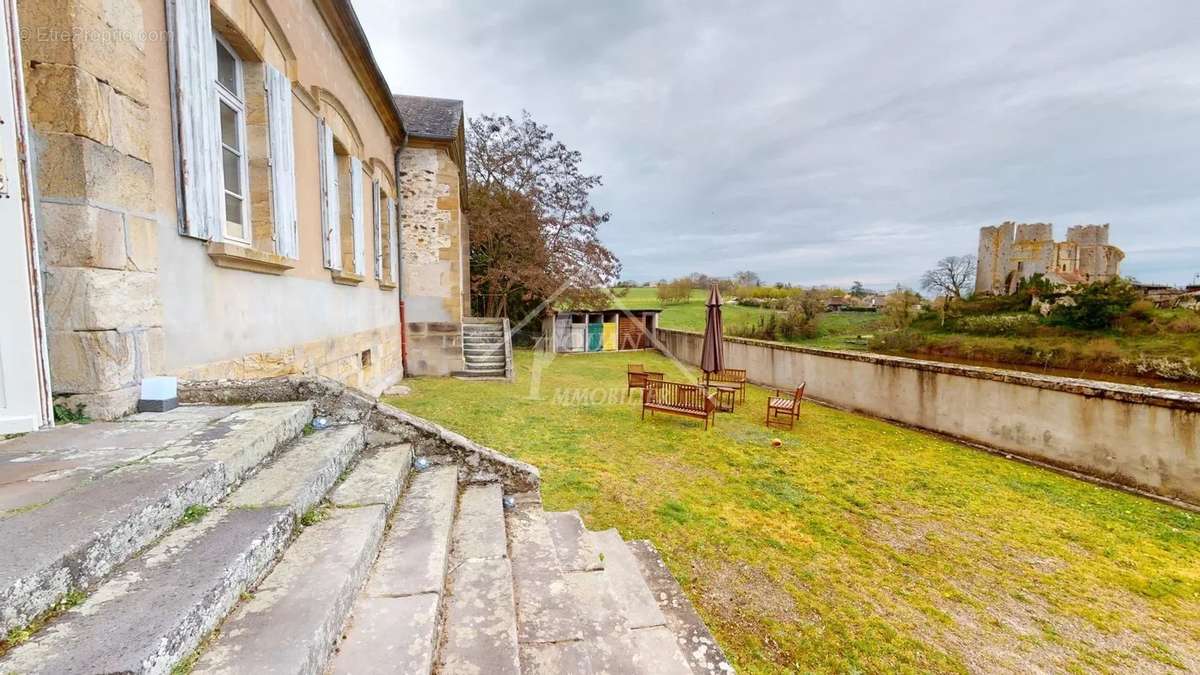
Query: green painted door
x=595, y=337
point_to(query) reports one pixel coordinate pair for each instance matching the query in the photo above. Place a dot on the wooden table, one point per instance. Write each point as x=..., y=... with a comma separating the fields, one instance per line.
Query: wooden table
x=725, y=396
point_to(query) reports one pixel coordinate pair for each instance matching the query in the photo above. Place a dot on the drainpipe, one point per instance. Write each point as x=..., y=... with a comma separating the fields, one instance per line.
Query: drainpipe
x=400, y=258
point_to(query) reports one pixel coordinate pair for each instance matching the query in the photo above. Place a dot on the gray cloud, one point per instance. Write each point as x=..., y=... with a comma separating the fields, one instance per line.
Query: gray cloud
x=827, y=142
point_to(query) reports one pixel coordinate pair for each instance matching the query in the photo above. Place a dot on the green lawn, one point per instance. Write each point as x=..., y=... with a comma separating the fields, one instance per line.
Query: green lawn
x=838, y=330
x=857, y=546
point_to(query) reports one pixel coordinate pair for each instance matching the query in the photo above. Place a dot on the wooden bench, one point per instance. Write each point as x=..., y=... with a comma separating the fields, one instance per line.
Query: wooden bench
x=676, y=398
x=730, y=377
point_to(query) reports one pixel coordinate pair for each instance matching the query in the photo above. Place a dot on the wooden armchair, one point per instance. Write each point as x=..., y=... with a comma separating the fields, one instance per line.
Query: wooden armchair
x=730, y=377
x=783, y=407
x=637, y=376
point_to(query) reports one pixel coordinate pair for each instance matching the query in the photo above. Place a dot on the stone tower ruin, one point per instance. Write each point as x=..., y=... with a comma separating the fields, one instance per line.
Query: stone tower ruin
x=1010, y=252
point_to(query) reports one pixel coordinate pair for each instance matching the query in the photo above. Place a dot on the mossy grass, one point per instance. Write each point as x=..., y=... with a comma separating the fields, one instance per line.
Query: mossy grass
x=17, y=636
x=193, y=514
x=856, y=545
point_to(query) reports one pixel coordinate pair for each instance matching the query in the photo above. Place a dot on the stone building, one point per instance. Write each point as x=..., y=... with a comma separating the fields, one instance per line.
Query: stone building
x=209, y=190
x=1011, y=252
x=434, y=249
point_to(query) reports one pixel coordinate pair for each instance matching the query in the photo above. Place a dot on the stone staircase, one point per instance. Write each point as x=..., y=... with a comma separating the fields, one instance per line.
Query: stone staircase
x=253, y=543
x=487, y=352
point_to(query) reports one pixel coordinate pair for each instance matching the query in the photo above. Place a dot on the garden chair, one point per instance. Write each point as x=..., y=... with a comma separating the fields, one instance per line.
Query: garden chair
x=637, y=376
x=783, y=407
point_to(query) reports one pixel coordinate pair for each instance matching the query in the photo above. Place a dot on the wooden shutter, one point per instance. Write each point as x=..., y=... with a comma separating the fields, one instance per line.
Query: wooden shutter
x=331, y=243
x=199, y=148
x=393, y=241
x=356, y=215
x=377, y=228
x=283, y=162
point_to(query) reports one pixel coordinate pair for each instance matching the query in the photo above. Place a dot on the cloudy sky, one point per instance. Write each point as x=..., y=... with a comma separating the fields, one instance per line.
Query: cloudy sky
x=824, y=142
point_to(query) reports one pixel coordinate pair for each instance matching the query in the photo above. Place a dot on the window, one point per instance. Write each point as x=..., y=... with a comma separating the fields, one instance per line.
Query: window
x=231, y=111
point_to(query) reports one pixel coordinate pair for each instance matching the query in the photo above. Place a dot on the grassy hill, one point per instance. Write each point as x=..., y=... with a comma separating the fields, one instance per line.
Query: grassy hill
x=836, y=329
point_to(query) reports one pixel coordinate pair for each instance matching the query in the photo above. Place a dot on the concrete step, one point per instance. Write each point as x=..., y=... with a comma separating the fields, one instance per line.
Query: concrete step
x=573, y=542
x=658, y=653
x=159, y=606
x=300, y=478
x=555, y=658
x=191, y=456
x=606, y=633
x=546, y=611
x=480, y=631
x=295, y=615
x=393, y=625
x=378, y=478
x=696, y=643
x=483, y=350
x=637, y=602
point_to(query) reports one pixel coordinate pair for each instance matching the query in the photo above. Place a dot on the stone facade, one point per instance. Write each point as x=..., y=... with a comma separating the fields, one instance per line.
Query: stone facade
x=130, y=290
x=434, y=247
x=88, y=104
x=1011, y=252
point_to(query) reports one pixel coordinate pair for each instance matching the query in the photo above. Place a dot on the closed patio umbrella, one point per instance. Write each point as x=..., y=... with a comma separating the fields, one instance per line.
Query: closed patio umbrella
x=712, y=358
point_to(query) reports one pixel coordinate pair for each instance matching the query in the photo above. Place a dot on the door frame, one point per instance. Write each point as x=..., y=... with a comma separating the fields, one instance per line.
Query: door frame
x=26, y=191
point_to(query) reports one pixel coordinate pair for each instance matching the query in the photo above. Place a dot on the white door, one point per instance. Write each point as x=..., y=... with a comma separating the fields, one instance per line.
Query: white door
x=24, y=400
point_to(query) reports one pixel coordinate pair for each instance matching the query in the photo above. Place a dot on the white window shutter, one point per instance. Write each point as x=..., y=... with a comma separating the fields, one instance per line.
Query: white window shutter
x=196, y=110
x=331, y=243
x=394, y=240
x=356, y=215
x=283, y=162
x=377, y=228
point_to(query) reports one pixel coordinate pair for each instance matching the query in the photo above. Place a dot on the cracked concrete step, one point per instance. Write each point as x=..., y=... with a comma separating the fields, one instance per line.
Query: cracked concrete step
x=638, y=604
x=393, y=625
x=159, y=606
x=546, y=612
x=573, y=542
x=606, y=633
x=555, y=658
x=76, y=539
x=695, y=641
x=479, y=633
x=290, y=623
x=657, y=652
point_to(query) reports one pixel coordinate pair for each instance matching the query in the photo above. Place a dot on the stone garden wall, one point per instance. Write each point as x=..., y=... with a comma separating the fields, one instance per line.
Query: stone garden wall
x=1143, y=438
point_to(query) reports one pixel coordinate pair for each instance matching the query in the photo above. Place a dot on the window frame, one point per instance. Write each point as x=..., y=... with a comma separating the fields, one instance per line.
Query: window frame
x=237, y=102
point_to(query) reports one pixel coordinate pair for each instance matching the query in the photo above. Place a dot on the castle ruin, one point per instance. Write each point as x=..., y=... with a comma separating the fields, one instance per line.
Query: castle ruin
x=1010, y=252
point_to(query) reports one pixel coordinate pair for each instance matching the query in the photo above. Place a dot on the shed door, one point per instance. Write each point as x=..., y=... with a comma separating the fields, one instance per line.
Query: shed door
x=24, y=403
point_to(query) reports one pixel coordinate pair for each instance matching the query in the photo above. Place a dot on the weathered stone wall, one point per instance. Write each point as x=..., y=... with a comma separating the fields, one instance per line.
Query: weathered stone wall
x=1146, y=439
x=339, y=358
x=431, y=258
x=88, y=109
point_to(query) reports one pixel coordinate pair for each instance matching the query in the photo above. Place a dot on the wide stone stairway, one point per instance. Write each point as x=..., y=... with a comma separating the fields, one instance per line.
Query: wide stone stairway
x=241, y=539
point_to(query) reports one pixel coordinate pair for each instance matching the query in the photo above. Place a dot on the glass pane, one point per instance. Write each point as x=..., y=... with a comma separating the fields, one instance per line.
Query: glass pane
x=233, y=214
x=229, y=126
x=232, y=166
x=226, y=68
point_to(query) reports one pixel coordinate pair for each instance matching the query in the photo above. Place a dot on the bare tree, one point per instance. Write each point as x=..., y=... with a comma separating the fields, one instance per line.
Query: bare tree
x=952, y=276
x=520, y=172
x=747, y=279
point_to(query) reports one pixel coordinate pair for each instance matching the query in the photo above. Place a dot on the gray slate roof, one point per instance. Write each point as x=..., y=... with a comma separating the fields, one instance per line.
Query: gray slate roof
x=431, y=118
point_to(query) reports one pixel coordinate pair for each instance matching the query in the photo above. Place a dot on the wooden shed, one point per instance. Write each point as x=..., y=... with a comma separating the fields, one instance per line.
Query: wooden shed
x=596, y=330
